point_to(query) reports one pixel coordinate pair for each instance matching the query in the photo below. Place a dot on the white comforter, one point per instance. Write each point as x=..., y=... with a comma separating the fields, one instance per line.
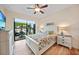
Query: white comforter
x=37, y=37
x=43, y=39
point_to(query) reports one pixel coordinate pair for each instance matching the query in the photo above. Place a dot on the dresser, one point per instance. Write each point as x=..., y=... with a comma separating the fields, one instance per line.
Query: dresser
x=6, y=42
x=65, y=40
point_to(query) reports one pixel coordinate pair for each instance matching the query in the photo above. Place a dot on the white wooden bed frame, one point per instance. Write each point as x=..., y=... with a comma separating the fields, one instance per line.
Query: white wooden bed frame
x=34, y=45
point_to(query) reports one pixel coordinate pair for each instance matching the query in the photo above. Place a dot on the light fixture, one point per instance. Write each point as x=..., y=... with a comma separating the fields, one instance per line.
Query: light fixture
x=63, y=29
x=42, y=26
x=37, y=9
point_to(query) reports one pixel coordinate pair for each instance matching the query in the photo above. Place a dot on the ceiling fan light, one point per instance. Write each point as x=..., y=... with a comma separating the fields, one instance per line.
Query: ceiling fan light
x=37, y=9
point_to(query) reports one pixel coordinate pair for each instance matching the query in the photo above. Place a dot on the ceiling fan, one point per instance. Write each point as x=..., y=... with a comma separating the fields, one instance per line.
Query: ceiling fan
x=38, y=8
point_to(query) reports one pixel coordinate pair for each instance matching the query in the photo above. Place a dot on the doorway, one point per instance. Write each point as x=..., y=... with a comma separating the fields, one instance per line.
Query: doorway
x=23, y=27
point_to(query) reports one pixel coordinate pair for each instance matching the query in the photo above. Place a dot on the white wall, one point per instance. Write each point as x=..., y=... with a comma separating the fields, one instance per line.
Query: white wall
x=69, y=17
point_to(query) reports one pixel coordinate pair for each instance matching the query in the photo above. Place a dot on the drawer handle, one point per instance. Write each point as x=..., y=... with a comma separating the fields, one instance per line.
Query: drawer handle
x=62, y=40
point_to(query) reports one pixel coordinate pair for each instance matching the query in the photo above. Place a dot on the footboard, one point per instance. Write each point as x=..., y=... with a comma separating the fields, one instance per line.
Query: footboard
x=34, y=45
x=40, y=47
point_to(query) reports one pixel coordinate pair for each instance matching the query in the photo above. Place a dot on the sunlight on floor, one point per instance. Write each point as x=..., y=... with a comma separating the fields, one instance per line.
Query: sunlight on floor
x=21, y=48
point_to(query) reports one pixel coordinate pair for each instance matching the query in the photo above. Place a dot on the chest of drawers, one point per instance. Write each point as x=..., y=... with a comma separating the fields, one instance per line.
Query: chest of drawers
x=65, y=40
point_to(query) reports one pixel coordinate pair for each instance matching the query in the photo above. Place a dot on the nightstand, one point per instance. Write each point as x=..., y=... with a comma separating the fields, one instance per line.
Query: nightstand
x=65, y=40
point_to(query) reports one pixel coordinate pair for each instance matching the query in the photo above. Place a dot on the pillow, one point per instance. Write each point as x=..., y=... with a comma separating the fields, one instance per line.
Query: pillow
x=51, y=32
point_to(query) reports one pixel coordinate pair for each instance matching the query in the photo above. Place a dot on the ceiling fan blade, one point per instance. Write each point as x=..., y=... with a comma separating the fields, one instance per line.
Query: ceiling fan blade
x=30, y=8
x=37, y=5
x=44, y=6
x=42, y=12
x=35, y=12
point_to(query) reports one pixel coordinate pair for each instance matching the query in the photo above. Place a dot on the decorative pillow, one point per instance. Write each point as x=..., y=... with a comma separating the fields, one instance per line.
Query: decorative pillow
x=51, y=32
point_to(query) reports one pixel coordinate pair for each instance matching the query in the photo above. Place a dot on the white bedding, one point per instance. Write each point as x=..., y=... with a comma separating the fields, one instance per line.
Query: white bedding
x=43, y=39
x=38, y=37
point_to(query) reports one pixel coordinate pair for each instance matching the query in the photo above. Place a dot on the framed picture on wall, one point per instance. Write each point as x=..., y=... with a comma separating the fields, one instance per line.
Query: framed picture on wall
x=51, y=27
x=49, y=24
x=2, y=21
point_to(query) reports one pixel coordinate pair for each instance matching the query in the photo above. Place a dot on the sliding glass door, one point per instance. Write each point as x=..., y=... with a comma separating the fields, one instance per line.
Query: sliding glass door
x=22, y=28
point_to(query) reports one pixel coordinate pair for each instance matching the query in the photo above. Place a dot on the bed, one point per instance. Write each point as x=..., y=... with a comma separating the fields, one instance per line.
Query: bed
x=39, y=43
x=44, y=39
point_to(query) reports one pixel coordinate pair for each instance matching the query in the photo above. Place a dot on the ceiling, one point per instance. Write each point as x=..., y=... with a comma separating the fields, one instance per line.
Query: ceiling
x=22, y=8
